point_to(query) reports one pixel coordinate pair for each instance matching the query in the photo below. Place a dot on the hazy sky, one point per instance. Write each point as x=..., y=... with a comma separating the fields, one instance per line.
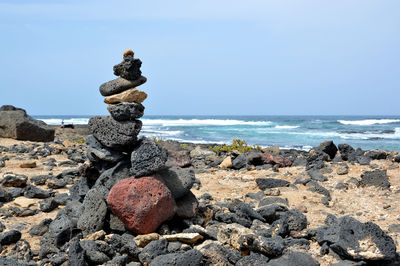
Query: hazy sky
x=204, y=57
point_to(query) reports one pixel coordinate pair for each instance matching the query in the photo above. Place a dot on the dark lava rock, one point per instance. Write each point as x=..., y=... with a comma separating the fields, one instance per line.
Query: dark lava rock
x=264, y=183
x=346, y=151
x=97, y=152
x=315, y=187
x=21, y=251
x=129, y=68
x=350, y=263
x=147, y=158
x=62, y=199
x=186, y=206
x=214, y=254
x=153, y=250
x=124, y=245
x=35, y=192
x=189, y=258
x=295, y=219
x=354, y=240
x=272, y=212
x=253, y=259
x=10, y=237
x=269, y=246
x=317, y=176
x=293, y=258
x=60, y=229
x=14, y=180
x=94, y=212
x=95, y=251
x=76, y=254
x=240, y=161
x=118, y=135
x=47, y=205
x=4, y=195
x=363, y=160
x=178, y=180
x=272, y=200
x=376, y=178
x=329, y=148
x=17, y=124
x=244, y=210
x=376, y=155
x=396, y=159
x=126, y=111
x=41, y=228
x=40, y=179
x=119, y=85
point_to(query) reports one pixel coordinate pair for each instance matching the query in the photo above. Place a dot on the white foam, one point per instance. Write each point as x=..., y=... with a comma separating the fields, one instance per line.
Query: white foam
x=368, y=122
x=161, y=132
x=75, y=121
x=286, y=127
x=201, y=122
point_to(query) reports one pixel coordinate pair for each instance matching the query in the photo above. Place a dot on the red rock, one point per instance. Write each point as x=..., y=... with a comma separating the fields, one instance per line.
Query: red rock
x=142, y=204
x=277, y=159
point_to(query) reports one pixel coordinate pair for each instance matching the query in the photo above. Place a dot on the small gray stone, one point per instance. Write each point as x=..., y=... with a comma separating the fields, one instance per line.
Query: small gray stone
x=376, y=178
x=97, y=152
x=126, y=111
x=147, y=158
x=178, y=180
x=119, y=85
x=94, y=213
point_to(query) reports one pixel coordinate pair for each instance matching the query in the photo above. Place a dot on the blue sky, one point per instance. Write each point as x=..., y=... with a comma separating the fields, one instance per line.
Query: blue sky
x=205, y=57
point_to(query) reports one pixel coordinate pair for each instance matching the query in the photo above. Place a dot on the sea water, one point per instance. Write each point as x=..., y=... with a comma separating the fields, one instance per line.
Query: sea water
x=299, y=132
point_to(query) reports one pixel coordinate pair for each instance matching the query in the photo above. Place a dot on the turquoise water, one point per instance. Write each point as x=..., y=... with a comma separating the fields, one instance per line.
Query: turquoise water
x=300, y=132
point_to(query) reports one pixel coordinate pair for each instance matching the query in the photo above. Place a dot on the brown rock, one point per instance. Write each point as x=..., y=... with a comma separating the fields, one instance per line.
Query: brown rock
x=227, y=162
x=99, y=235
x=143, y=240
x=128, y=52
x=131, y=95
x=188, y=238
x=28, y=165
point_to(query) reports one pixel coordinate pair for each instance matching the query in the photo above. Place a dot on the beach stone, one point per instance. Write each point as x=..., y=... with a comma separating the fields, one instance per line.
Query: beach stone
x=230, y=234
x=178, y=180
x=129, y=68
x=28, y=165
x=376, y=178
x=16, y=124
x=376, y=154
x=124, y=244
x=14, y=180
x=354, y=240
x=40, y=180
x=253, y=259
x=94, y=252
x=126, y=111
x=215, y=254
x=113, y=134
x=153, y=250
x=76, y=254
x=293, y=258
x=188, y=258
x=47, y=205
x=130, y=96
x=60, y=230
x=35, y=192
x=143, y=240
x=226, y=163
x=177, y=158
x=5, y=195
x=269, y=246
x=97, y=152
x=147, y=158
x=10, y=237
x=188, y=238
x=41, y=228
x=347, y=152
x=329, y=148
x=317, y=175
x=119, y=85
x=142, y=204
x=272, y=200
x=94, y=212
x=268, y=158
x=240, y=161
x=186, y=206
x=264, y=183
x=200, y=152
x=342, y=169
x=24, y=202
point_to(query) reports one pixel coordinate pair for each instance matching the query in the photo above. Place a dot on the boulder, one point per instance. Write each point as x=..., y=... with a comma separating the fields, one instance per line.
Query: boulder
x=147, y=158
x=354, y=240
x=131, y=96
x=126, y=111
x=129, y=68
x=376, y=178
x=178, y=180
x=329, y=148
x=154, y=249
x=142, y=204
x=264, y=183
x=18, y=125
x=119, y=85
x=113, y=134
x=347, y=152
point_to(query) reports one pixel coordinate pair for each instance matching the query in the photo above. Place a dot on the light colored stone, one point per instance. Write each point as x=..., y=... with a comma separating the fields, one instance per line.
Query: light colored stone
x=198, y=152
x=99, y=235
x=143, y=240
x=188, y=238
x=28, y=165
x=274, y=150
x=25, y=202
x=227, y=162
x=230, y=234
x=132, y=95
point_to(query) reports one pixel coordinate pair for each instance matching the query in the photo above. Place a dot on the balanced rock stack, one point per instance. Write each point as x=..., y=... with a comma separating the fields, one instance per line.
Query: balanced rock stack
x=133, y=181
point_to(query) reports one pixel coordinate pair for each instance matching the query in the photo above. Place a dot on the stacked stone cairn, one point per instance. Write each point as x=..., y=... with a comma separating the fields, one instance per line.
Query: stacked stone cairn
x=134, y=182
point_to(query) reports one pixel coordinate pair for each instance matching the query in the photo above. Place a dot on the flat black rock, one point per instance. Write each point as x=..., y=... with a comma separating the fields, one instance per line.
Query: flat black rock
x=376, y=178
x=264, y=183
x=119, y=85
x=293, y=258
x=126, y=111
x=113, y=134
x=189, y=258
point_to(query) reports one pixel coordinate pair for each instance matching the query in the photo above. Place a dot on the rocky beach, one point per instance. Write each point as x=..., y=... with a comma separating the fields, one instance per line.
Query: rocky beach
x=102, y=194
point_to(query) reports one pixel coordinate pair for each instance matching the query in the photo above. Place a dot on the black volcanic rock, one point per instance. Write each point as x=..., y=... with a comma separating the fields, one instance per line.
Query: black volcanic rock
x=129, y=68
x=126, y=111
x=147, y=158
x=119, y=85
x=113, y=134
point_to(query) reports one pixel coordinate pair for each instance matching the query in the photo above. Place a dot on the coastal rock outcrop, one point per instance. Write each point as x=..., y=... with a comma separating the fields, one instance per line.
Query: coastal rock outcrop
x=16, y=124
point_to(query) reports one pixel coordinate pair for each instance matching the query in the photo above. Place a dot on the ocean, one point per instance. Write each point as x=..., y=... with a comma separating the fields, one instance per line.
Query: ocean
x=299, y=132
